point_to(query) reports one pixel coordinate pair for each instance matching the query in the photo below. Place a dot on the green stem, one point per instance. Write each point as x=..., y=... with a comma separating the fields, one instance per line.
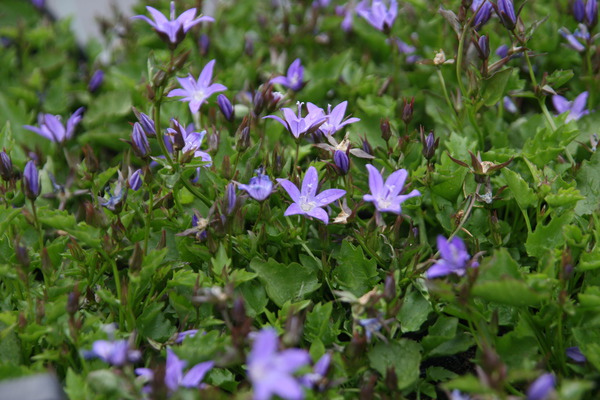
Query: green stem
x=447, y=97
x=459, y=58
x=148, y=219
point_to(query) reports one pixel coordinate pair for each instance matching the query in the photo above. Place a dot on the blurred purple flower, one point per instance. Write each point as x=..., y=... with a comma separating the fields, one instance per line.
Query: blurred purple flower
x=52, y=128
x=315, y=378
x=483, y=10
x=541, y=387
x=96, y=80
x=174, y=376
x=31, y=180
x=192, y=332
x=296, y=124
x=579, y=10
x=259, y=188
x=306, y=201
x=457, y=395
x=294, y=77
x=198, y=91
x=575, y=354
x=372, y=326
x=172, y=31
x=377, y=14
x=572, y=41
x=271, y=371
x=115, y=353
x=591, y=13
x=509, y=105
x=575, y=108
x=39, y=4
x=386, y=197
x=454, y=258
x=502, y=51
x=335, y=118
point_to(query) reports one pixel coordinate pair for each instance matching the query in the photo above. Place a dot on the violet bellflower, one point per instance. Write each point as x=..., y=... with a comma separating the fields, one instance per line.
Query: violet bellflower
x=271, y=371
x=298, y=125
x=116, y=353
x=506, y=12
x=377, y=14
x=190, y=141
x=196, y=92
x=52, y=128
x=174, y=376
x=483, y=12
x=294, y=78
x=173, y=31
x=386, y=197
x=335, y=118
x=454, y=258
x=540, y=388
x=260, y=186
x=31, y=180
x=575, y=108
x=306, y=201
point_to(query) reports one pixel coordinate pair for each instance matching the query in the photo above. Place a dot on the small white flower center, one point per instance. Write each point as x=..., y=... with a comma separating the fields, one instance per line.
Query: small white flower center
x=199, y=95
x=306, y=205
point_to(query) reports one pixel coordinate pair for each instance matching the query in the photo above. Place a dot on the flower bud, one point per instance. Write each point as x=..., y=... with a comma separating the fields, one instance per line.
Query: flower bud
x=591, y=14
x=341, y=161
x=506, y=12
x=213, y=142
x=176, y=133
x=6, y=167
x=146, y=122
x=248, y=46
x=135, y=180
x=243, y=140
x=366, y=146
x=204, y=44
x=139, y=141
x=386, y=130
x=230, y=198
x=226, y=107
x=259, y=102
x=483, y=47
x=31, y=181
x=430, y=143
x=579, y=10
x=407, y=111
x=483, y=15
x=96, y=80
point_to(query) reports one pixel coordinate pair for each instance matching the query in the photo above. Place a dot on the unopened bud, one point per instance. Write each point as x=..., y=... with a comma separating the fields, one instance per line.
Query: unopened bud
x=204, y=44
x=430, y=144
x=340, y=158
x=226, y=107
x=386, y=130
x=389, y=289
x=483, y=47
x=139, y=141
x=366, y=146
x=407, y=110
x=213, y=142
x=6, y=167
x=96, y=81
x=244, y=139
x=31, y=181
x=258, y=102
x=146, y=122
x=135, y=180
x=230, y=198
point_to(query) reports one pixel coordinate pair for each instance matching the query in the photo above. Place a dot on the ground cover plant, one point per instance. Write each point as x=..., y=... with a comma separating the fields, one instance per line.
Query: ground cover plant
x=303, y=199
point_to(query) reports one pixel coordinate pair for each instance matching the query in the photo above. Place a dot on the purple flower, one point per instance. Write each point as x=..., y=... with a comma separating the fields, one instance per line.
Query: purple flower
x=377, y=14
x=115, y=353
x=455, y=258
x=579, y=10
x=296, y=124
x=502, y=51
x=6, y=166
x=294, y=78
x=271, y=371
x=341, y=160
x=192, y=141
x=575, y=354
x=457, y=395
x=172, y=31
x=575, y=108
x=259, y=188
x=509, y=105
x=192, y=332
x=335, y=118
x=591, y=13
x=198, y=91
x=96, y=80
x=135, y=180
x=226, y=107
x=139, y=141
x=39, y=3
x=174, y=376
x=483, y=10
x=506, y=12
x=372, y=326
x=306, y=201
x=31, y=180
x=51, y=128
x=572, y=41
x=315, y=378
x=387, y=197
x=541, y=387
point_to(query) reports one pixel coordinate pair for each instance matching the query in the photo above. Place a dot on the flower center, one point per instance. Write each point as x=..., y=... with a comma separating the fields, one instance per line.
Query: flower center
x=306, y=205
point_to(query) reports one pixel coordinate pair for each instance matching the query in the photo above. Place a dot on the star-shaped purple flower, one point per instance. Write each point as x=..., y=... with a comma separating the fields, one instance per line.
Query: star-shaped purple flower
x=377, y=14
x=259, y=188
x=173, y=31
x=271, y=371
x=454, y=258
x=298, y=125
x=307, y=201
x=576, y=108
x=540, y=388
x=294, y=78
x=52, y=128
x=198, y=91
x=335, y=118
x=386, y=197
x=115, y=353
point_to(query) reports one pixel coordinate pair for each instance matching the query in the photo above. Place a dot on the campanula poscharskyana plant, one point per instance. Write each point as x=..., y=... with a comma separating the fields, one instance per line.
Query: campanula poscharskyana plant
x=53, y=129
x=196, y=92
x=386, y=197
x=454, y=258
x=298, y=125
x=259, y=187
x=294, y=79
x=575, y=108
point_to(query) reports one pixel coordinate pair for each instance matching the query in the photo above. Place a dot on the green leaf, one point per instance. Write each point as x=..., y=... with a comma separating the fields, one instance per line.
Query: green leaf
x=523, y=194
x=590, y=260
x=153, y=324
x=254, y=297
x=511, y=292
x=559, y=78
x=404, y=356
x=588, y=183
x=318, y=325
x=414, y=311
x=283, y=282
x=494, y=87
x=354, y=272
x=547, y=237
x=566, y=197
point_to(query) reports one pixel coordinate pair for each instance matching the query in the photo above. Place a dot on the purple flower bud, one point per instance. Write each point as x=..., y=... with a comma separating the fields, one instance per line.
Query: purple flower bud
x=341, y=161
x=483, y=13
x=231, y=198
x=226, y=107
x=541, y=387
x=575, y=354
x=483, y=47
x=430, y=143
x=506, y=12
x=135, y=180
x=366, y=146
x=407, y=111
x=244, y=139
x=204, y=44
x=579, y=10
x=248, y=46
x=259, y=102
x=591, y=13
x=39, y=4
x=6, y=167
x=146, y=122
x=31, y=181
x=139, y=141
x=502, y=51
x=259, y=188
x=96, y=80
x=386, y=130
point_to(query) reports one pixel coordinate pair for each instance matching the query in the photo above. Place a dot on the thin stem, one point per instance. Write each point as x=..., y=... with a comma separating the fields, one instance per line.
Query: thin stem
x=459, y=58
x=148, y=219
x=467, y=214
x=446, y=96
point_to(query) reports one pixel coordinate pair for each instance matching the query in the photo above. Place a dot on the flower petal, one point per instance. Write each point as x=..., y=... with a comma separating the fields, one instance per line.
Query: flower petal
x=310, y=183
x=195, y=375
x=320, y=214
x=206, y=74
x=375, y=181
x=294, y=209
x=329, y=196
x=291, y=189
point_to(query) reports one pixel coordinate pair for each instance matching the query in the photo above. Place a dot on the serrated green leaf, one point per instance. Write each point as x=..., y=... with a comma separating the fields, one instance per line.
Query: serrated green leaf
x=547, y=237
x=404, y=356
x=523, y=194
